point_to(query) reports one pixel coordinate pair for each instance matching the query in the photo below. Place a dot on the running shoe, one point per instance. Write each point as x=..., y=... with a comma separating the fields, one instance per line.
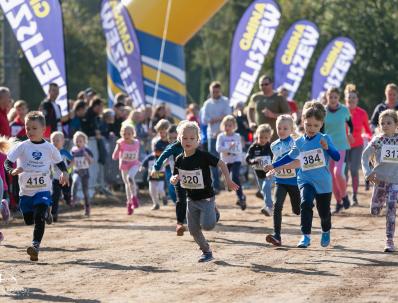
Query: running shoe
x=1, y=237
x=346, y=202
x=55, y=218
x=155, y=207
x=164, y=199
x=87, y=211
x=354, y=200
x=367, y=185
x=136, y=202
x=48, y=216
x=217, y=214
x=206, y=257
x=259, y=195
x=180, y=229
x=242, y=203
x=33, y=252
x=274, y=240
x=325, y=239
x=339, y=207
x=130, y=208
x=305, y=241
x=389, y=246
x=5, y=211
x=266, y=211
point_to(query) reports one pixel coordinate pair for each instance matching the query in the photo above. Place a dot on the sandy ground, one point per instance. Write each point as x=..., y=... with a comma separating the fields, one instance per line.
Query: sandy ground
x=111, y=257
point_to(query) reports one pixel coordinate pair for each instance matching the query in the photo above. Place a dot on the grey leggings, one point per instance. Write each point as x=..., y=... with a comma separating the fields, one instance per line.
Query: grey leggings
x=201, y=214
x=353, y=161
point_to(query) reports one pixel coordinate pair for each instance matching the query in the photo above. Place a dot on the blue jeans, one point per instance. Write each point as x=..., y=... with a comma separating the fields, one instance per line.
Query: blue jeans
x=266, y=188
x=214, y=170
x=234, y=169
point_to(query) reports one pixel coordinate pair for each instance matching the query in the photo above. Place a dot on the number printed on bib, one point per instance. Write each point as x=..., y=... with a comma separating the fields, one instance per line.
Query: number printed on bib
x=35, y=181
x=261, y=162
x=389, y=153
x=129, y=156
x=312, y=159
x=191, y=179
x=81, y=163
x=286, y=173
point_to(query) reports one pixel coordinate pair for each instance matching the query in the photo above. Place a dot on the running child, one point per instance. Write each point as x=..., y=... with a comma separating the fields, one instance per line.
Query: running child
x=229, y=146
x=82, y=158
x=313, y=150
x=58, y=140
x=258, y=155
x=286, y=178
x=382, y=151
x=192, y=170
x=34, y=158
x=127, y=150
x=4, y=208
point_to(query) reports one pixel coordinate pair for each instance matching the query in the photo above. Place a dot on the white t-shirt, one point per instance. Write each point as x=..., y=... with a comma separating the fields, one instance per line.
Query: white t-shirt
x=36, y=161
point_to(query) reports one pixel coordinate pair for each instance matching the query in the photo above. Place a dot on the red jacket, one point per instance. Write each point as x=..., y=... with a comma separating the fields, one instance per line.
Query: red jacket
x=4, y=126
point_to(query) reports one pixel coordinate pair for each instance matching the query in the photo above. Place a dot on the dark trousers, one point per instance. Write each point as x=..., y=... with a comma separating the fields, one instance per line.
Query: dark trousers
x=234, y=169
x=280, y=195
x=181, y=205
x=56, y=195
x=214, y=169
x=308, y=194
x=83, y=178
x=37, y=217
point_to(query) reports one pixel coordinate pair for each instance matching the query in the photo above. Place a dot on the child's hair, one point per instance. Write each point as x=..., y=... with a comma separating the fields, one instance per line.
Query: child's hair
x=5, y=144
x=20, y=103
x=332, y=90
x=108, y=113
x=36, y=116
x=172, y=129
x=392, y=86
x=314, y=109
x=264, y=129
x=55, y=134
x=389, y=113
x=163, y=124
x=285, y=118
x=192, y=108
x=126, y=126
x=226, y=119
x=80, y=134
x=185, y=124
x=78, y=105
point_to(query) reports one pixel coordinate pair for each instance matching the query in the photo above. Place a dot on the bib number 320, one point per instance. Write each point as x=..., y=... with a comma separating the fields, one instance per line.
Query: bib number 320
x=191, y=179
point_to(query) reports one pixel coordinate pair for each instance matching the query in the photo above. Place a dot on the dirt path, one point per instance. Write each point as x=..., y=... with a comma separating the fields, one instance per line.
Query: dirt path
x=111, y=257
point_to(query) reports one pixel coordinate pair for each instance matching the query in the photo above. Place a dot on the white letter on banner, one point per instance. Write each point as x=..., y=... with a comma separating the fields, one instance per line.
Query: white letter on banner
x=34, y=61
x=47, y=71
x=112, y=37
x=36, y=39
x=16, y=20
x=107, y=16
x=10, y=4
x=26, y=30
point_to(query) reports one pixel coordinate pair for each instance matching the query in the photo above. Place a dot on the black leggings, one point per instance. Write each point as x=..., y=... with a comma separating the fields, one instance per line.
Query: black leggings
x=37, y=217
x=280, y=195
x=57, y=190
x=181, y=205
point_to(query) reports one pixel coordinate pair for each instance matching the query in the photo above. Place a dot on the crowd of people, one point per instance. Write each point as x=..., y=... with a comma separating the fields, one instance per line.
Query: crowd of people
x=49, y=156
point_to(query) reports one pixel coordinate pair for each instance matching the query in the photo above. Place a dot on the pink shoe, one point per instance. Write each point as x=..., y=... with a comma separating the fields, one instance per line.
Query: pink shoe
x=130, y=208
x=5, y=211
x=1, y=237
x=136, y=202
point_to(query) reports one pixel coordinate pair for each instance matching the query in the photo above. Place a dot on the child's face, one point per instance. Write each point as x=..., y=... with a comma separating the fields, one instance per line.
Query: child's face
x=80, y=113
x=34, y=130
x=128, y=134
x=229, y=127
x=333, y=100
x=163, y=134
x=263, y=138
x=352, y=100
x=58, y=141
x=189, y=140
x=80, y=142
x=312, y=126
x=21, y=111
x=110, y=120
x=388, y=126
x=172, y=137
x=284, y=129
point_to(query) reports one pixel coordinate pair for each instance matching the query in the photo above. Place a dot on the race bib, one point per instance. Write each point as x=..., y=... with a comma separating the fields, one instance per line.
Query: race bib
x=261, y=162
x=81, y=163
x=389, y=153
x=35, y=181
x=129, y=156
x=286, y=173
x=233, y=146
x=312, y=159
x=191, y=179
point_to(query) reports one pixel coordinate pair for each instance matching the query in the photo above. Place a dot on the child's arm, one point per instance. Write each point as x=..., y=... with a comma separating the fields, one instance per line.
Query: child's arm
x=8, y=166
x=368, y=152
x=115, y=154
x=220, y=145
x=163, y=157
x=231, y=185
x=249, y=156
x=330, y=149
x=89, y=156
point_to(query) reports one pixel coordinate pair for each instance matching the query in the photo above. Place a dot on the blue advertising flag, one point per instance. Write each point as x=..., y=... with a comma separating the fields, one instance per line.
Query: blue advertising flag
x=332, y=65
x=123, y=48
x=38, y=27
x=294, y=54
x=250, y=46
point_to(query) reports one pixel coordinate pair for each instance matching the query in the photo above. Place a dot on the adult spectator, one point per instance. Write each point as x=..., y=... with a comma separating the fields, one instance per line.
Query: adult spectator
x=391, y=93
x=89, y=94
x=266, y=106
x=120, y=98
x=214, y=110
x=160, y=113
x=52, y=111
x=5, y=101
x=118, y=108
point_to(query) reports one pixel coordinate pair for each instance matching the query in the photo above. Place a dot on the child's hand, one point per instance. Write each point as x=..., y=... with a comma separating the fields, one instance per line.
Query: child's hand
x=154, y=173
x=268, y=167
x=232, y=185
x=174, y=179
x=17, y=171
x=324, y=144
x=351, y=139
x=64, y=179
x=142, y=168
x=270, y=173
x=372, y=178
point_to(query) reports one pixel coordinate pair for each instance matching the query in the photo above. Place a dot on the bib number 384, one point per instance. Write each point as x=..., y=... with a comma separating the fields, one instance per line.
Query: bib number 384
x=389, y=153
x=312, y=159
x=191, y=179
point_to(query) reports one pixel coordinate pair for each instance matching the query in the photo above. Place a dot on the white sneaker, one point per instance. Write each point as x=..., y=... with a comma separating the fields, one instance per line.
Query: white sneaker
x=389, y=246
x=267, y=211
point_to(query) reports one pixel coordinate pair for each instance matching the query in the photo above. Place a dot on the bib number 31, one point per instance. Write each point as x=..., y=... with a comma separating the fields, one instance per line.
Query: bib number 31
x=389, y=154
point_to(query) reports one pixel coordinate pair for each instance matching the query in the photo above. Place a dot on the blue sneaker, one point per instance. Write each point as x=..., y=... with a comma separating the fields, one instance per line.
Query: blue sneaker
x=325, y=239
x=304, y=242
x=206, y=257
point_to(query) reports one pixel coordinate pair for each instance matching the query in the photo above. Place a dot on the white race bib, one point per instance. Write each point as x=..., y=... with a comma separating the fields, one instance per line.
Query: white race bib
x=233, y=146
x=389, y=153
x=191, y=179
x=261, y=162
x=129, y=156
x=312, y=159
x=286, y=173
x=81, y=163
x=35, y=181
